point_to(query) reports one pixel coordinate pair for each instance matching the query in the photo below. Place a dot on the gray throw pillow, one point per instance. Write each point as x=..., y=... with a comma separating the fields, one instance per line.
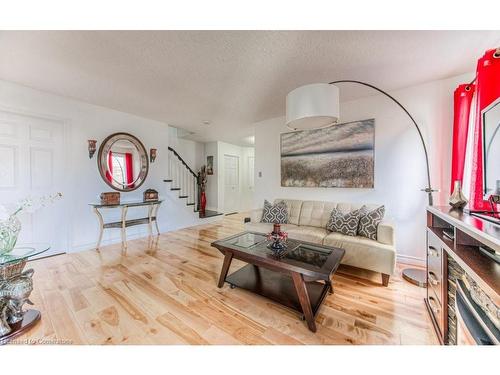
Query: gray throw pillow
x=369, y=221
x=344, y=223
x=275, y=214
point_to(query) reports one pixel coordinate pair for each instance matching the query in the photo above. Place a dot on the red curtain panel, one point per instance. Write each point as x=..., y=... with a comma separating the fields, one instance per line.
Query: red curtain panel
x=130, y=169
x=488, y=90
x=462, y=103
x=109, y=172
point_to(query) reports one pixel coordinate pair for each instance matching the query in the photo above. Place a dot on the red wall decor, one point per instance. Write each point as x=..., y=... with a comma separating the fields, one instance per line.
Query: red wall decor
x=487, y=90
x=462, y=102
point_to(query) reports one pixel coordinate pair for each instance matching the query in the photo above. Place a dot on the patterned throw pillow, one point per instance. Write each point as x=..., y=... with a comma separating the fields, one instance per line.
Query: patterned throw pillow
x=369, y=221
x=343, y=223
x=275, y=214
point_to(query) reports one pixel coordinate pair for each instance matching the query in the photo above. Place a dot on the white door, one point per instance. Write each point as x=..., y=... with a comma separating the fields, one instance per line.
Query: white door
x=32, y=165
x=231, y=183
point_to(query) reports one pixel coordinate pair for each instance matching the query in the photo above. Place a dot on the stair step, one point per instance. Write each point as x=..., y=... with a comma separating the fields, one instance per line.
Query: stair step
x=209, y=213
x=189, y=204
x=167, y=180
x=175, y=188
x=183, y=196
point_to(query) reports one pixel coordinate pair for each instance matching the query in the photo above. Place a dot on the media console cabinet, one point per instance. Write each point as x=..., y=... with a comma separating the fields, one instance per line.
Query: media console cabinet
x=463, y=284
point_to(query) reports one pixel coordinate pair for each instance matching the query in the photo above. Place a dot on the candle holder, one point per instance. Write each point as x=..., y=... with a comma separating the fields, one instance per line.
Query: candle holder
x=91, y=147
x=152, y=155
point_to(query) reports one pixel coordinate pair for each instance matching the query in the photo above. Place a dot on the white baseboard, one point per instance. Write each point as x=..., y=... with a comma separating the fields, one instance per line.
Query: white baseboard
x=115, y=238
x=105, y=242
x=411, y=260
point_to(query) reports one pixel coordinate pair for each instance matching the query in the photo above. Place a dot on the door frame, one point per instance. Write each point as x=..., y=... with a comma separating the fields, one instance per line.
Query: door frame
x=224, y=180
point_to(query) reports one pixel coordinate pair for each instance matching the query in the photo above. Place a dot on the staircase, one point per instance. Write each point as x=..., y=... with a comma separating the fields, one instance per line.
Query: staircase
x=184, y=180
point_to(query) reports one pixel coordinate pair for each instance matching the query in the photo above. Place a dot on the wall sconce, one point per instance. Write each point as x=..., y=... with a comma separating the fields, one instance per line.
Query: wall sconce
x=92, y=147
x=152, y=155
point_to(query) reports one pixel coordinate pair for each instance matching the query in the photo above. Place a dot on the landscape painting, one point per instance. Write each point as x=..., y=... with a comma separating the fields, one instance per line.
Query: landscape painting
x=338, y=156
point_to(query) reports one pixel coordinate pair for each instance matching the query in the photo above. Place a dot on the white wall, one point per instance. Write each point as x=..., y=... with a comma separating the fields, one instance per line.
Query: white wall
x=215, y=183
x=399, y=158
x=192, y=152
x=83, y=183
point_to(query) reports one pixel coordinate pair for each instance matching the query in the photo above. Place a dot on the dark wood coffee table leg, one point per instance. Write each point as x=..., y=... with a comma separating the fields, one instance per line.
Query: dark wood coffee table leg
x=228, y=257
x=305, y=302
x=330, y=284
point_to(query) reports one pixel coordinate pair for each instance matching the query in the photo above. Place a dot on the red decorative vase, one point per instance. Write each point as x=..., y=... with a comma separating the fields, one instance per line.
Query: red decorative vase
x=203, y=201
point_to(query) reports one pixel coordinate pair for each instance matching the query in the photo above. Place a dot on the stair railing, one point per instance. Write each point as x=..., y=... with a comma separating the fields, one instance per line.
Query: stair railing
x=184, y=178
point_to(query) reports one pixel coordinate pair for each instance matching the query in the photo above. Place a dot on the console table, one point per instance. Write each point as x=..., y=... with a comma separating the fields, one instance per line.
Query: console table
x=124, y=223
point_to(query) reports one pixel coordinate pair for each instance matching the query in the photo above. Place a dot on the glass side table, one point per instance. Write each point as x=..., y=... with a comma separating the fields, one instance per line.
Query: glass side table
x=15, y=288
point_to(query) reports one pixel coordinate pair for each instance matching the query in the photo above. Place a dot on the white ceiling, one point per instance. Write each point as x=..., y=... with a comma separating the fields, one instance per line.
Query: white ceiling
x=231, y=78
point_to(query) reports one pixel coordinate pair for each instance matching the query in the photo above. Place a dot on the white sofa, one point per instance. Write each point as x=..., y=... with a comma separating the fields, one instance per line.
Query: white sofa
x=307, y=222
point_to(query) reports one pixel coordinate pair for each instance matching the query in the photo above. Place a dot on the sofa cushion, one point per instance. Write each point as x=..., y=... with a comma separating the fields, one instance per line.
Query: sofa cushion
x=266, y=227
x=307, y=234
x=316, y=213
x=294, y=207
x=369, y=221
x=344, y=223
x=364, y=253
x=275, y=213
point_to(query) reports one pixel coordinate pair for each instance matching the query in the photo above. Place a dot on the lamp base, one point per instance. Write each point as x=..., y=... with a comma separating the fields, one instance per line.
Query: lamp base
x=415, y=276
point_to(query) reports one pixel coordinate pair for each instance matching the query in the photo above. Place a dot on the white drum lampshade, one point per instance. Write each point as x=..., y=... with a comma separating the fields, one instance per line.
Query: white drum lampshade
x=312, y=106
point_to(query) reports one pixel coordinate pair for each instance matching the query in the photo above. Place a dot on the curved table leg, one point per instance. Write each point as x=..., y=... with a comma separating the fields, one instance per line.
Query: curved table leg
x=155, y=214
x=124, y=227
x=101, y=228
x=150, y=220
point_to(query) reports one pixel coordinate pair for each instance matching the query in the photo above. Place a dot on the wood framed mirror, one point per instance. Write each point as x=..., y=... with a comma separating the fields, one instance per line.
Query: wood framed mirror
x=123, y=162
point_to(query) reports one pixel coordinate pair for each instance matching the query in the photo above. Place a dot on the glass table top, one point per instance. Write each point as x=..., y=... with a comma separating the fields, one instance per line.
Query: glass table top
x=22, y=252
x=135, y=203
x=301, y=253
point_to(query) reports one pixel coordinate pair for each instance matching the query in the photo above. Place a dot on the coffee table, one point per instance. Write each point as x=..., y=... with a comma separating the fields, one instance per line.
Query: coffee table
x=300, y=280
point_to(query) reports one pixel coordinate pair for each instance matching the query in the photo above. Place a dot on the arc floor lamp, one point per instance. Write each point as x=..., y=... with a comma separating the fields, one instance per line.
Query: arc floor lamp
x=317, y=106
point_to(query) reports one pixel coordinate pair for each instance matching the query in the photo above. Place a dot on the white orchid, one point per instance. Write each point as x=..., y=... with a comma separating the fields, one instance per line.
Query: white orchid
x=4, y=214
x=31, y=205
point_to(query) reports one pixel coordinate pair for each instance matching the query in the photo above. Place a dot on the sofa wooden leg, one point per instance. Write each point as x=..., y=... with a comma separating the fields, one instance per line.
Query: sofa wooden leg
x=385, y=279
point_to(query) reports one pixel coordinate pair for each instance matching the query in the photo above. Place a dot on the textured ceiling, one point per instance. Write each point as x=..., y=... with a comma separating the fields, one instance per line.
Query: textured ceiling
x=231, y=78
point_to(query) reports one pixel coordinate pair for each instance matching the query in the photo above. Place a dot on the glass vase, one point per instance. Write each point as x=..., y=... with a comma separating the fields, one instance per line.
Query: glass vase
x=9, y=230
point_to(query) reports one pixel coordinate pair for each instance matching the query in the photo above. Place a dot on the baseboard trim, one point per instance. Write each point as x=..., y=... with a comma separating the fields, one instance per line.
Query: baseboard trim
x=411, y=260
x=115, y=239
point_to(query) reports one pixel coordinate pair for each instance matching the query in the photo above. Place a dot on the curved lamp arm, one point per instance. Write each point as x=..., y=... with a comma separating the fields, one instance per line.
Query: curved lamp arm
x=428, y=189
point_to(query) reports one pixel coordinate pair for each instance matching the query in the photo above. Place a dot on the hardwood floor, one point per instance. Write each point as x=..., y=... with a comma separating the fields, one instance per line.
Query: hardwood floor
x=164, y=291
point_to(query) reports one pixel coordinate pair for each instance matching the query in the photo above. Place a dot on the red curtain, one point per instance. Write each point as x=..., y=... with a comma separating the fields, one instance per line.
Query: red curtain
x=130, y=169
x=462, y=102
x=109, y=172
x=488, y=90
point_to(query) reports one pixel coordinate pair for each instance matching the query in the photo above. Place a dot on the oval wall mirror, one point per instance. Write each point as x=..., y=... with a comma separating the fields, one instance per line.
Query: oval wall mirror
x=123, y=162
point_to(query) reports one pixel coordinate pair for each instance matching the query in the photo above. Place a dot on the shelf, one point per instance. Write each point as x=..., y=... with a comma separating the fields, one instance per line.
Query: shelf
x=129, y=223
x=277, y=287
x=484, y=270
